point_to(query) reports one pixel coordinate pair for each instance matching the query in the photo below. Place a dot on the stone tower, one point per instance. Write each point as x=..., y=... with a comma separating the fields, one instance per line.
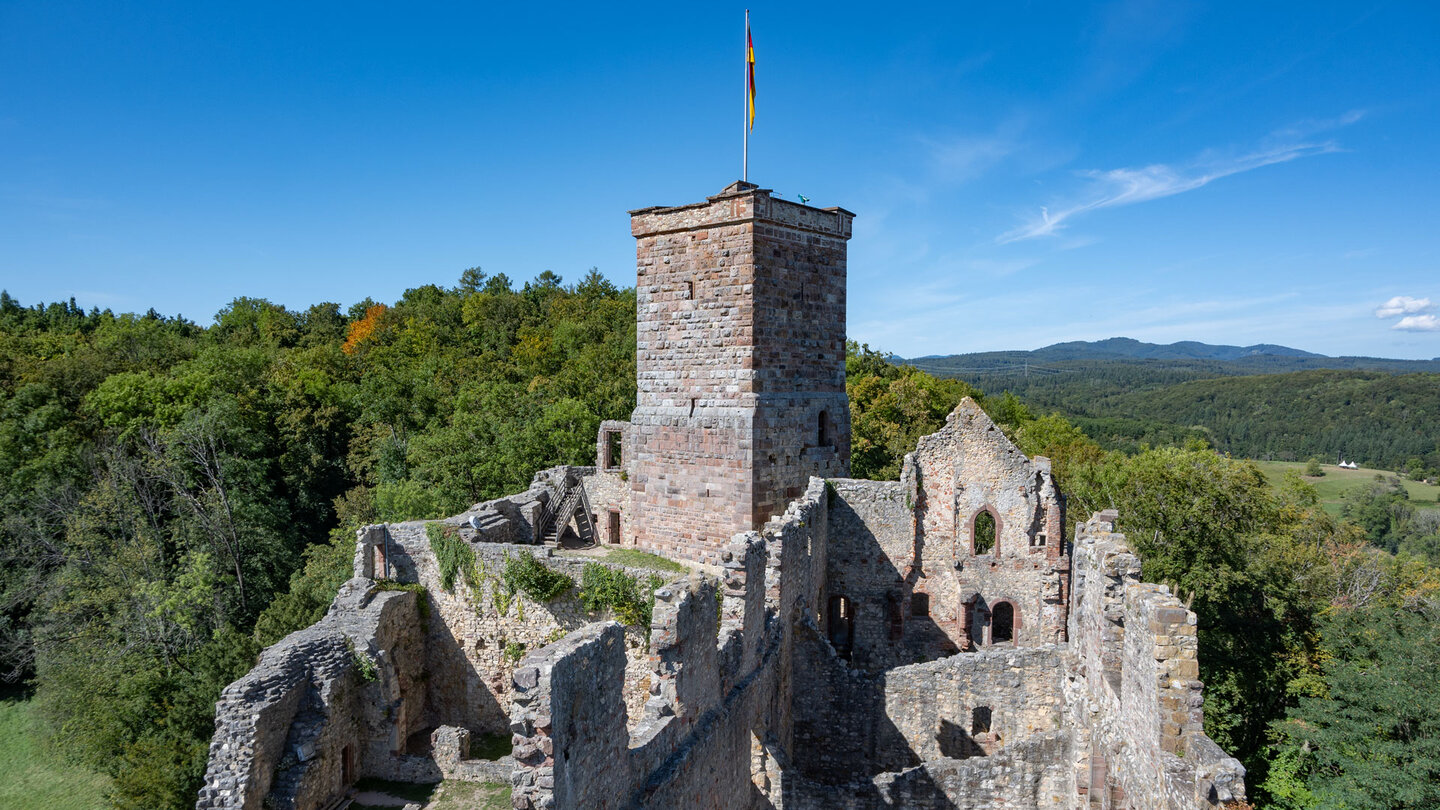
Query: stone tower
x=740, y=365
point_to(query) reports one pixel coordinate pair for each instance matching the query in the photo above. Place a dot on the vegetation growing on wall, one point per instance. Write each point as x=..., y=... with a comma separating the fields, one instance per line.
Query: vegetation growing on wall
x=629, y=599
x=525, y=574
x=453, y=556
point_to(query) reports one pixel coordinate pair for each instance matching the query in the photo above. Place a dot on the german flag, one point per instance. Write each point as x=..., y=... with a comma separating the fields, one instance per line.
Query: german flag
x=750, y=63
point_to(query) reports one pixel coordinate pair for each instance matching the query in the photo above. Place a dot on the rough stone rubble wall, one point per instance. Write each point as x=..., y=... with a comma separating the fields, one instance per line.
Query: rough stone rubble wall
x=609, y=488
x=965, y=467
x=873, y=728
x=720, y=687
x=282, y=730
x=1136, y=701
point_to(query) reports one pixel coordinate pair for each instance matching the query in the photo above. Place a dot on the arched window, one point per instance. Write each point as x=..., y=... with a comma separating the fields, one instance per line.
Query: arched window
x=1002, y=623
x=983, y=531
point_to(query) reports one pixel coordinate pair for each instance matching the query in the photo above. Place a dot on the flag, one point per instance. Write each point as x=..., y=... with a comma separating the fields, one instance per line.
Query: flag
x=750, y=63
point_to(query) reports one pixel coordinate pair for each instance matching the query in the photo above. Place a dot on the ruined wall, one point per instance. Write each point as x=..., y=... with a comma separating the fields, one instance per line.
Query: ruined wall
x=608, y=487
x=307, y=716
x=471, y=650
x=1019, y=776
x=873, y=563
x=740, y=348
x=1135, y=700
x=966, y=468
x=850, y=723
x=443, y=672
x=719, y=685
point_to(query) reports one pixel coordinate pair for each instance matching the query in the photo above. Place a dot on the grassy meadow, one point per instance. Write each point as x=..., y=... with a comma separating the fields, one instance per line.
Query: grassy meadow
x=31, y=778
x=1333, y=485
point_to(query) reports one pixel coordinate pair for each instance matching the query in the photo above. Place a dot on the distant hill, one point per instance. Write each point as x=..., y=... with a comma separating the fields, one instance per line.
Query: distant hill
x=1291, y=405
x=1198, y=359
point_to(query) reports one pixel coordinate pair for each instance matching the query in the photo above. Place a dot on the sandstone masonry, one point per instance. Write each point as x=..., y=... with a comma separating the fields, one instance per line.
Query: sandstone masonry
x=933, y=642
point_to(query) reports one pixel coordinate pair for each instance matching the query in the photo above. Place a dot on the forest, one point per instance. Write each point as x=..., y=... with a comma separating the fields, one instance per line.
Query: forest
x=1379, y=413
x=177, y=496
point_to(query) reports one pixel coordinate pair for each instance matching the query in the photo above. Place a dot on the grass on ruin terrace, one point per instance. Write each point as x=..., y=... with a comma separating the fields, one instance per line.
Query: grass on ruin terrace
x=630, y=558
x=34, y=779
x=449, y=795
x=1333, y=485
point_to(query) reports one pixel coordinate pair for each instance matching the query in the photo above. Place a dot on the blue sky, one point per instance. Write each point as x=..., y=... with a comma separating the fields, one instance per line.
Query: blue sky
x=1023, y=173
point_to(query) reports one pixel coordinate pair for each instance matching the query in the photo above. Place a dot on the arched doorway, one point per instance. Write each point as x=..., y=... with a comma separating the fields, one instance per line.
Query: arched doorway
x=1002, y=623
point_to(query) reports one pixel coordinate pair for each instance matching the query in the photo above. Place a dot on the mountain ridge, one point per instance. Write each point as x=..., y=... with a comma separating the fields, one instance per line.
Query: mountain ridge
x=1207, y=358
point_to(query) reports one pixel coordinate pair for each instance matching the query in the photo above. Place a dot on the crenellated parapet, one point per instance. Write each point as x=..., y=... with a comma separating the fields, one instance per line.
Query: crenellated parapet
x=1138, y=701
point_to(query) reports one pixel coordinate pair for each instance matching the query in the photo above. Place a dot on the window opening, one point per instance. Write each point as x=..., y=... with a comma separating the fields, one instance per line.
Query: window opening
x=919, y=604
x=824, y=438
x=613, y=458
x=980, y=720
x=1002, y=623
x=1039, y=539
x=841, y=622
x=689, y=289
x=983, y=537
x=692, y=406
x=897, y=619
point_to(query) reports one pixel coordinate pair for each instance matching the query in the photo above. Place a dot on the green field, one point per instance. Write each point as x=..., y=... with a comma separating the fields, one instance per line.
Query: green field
x=33, y=779
x=1333, y=485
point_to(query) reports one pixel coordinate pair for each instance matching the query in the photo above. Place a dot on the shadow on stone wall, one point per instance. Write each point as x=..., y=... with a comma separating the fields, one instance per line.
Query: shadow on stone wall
x=956, y=743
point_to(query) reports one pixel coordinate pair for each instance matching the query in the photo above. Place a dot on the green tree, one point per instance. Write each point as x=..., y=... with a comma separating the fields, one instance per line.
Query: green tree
x=1372, y=742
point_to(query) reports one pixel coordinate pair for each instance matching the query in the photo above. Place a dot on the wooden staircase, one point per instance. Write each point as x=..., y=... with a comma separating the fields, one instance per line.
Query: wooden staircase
x=570, y=503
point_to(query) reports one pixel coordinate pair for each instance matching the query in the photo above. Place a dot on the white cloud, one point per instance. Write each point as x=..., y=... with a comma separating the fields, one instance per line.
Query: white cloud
x=1127, y=186
x=1403, y=305
x=1418, y=323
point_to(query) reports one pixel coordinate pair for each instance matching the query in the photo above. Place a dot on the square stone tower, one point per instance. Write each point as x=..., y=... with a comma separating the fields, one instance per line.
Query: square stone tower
x=740, y=365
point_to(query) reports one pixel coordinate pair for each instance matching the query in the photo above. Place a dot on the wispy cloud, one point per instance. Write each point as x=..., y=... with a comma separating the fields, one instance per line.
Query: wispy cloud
x=1418, y=323
x=1127, y=186
x=1403, y=305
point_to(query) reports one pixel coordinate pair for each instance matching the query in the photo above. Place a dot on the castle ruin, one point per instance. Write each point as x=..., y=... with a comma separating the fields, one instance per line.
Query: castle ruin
x=932, y=642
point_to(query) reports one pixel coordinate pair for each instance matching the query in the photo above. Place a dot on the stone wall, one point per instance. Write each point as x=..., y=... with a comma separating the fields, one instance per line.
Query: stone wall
x=608, y=488
x=853, y=724
x=720, y=664
x=471, y=652
x=1135, y=698
x=740, y=365
x=966, y=468
x=902, y=559
x=448, y=665
x=308, y=715
x=1020, y=776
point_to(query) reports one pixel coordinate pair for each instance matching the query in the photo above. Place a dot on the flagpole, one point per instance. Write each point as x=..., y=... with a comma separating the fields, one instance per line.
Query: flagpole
x=745, y=110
